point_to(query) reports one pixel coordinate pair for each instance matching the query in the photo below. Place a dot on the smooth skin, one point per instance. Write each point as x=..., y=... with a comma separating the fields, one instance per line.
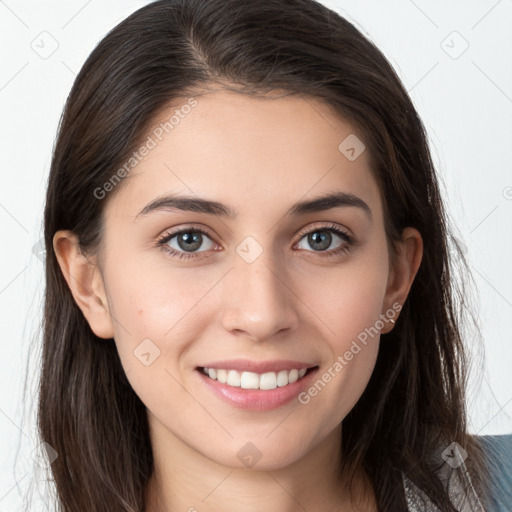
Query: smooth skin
x=258, y=156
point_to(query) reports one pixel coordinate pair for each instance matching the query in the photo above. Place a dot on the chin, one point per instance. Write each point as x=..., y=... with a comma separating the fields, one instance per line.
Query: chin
x=263, y=455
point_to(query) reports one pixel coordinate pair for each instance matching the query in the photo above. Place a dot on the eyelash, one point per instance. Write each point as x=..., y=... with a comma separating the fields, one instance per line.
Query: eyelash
x=345, y=248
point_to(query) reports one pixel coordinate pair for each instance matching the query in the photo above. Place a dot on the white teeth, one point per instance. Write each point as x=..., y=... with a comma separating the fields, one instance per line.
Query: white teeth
x=268, y=381
x=294, y=375
x=251, y=380
x=222, y=376
x=233, y=378
x=282, y=378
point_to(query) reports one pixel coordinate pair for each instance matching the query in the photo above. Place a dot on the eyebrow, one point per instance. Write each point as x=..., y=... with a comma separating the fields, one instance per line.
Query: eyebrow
x=196, y=204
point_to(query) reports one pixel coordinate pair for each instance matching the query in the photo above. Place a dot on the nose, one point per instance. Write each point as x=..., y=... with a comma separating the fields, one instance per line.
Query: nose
x=259, y=300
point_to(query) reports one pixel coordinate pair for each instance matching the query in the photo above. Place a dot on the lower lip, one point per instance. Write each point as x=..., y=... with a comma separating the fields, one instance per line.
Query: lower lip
x=257, y=399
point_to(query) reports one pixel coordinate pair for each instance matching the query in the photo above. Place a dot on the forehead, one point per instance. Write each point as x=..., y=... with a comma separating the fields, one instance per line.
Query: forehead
x=249, y=151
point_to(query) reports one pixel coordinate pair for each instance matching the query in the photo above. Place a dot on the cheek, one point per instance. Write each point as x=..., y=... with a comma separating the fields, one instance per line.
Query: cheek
x=156, y=300
x=344, y=376
x=348, y=303
x=348, y=298
x=156, y=312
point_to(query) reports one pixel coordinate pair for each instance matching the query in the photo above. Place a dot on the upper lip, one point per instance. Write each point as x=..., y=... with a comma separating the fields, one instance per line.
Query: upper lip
x=245, y=365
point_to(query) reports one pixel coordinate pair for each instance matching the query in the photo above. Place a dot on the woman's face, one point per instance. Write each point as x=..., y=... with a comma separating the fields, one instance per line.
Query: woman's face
x=254, y=292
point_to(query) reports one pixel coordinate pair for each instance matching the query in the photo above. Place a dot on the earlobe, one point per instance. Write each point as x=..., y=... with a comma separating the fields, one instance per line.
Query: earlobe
x=404, y=270
x=85, y=283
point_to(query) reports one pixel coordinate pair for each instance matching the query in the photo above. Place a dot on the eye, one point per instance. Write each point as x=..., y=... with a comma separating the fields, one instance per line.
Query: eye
x=187, y=242
x=184, y=241
x=321, y=238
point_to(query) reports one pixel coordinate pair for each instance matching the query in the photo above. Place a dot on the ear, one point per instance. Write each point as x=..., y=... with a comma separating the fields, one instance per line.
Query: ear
x=402, y=272
x=85, y=282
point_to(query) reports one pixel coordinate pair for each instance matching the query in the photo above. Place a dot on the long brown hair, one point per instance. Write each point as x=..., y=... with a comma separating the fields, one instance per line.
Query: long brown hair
x=414, y=403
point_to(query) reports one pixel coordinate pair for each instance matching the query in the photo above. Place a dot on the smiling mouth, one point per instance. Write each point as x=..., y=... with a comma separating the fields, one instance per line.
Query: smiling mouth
x=251, y=380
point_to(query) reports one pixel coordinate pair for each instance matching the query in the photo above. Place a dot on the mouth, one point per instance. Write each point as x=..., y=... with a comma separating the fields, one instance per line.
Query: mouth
x=254, y=391
x=252, y=380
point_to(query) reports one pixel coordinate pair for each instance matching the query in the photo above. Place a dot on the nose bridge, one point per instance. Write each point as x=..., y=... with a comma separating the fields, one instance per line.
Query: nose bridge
x=258, y=302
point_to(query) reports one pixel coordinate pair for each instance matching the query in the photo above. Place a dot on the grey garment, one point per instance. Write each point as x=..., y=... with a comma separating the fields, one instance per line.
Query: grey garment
x=456, y=479
x=499, y=456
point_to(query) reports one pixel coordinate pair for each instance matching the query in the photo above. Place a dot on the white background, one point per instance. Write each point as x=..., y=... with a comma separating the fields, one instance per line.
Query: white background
x=464, y=99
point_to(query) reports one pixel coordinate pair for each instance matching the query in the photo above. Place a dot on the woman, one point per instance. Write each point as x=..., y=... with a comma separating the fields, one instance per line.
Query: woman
x=249, y=298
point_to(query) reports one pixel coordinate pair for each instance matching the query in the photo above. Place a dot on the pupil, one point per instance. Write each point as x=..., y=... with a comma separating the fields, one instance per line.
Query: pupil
x=190, y=240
